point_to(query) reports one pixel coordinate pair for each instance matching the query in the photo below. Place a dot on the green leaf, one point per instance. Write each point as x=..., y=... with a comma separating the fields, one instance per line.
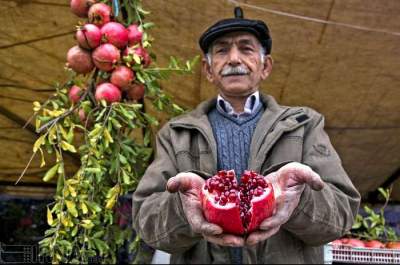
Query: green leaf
x=100, y=245
x=148, y=25
x=122, y=159
x=51, y=173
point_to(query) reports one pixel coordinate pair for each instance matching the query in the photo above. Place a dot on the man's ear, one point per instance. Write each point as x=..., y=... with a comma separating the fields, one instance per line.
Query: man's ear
x=207, y=69
x=267, y=67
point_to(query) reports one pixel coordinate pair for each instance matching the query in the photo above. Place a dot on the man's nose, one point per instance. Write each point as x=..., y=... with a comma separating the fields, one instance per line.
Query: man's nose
x=234, y=56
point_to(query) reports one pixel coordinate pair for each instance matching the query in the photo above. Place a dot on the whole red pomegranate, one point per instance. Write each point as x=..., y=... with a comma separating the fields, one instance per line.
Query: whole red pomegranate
x=374, y=244
x=79, y=60
x=393, y=245
x=141, y=52
x=237, y=208
x=136, y=91
x=122, y=77
x=106, y=56
x=75, y=93
x=108, y=92
x=100, y=14
x=135, y=35
x=115, y=33
x=81, y=7
x=353, y=242
x=88, y=36
x=337, y=242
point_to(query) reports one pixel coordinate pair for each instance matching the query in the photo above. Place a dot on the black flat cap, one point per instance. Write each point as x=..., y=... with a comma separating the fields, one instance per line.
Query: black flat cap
x=238, y=23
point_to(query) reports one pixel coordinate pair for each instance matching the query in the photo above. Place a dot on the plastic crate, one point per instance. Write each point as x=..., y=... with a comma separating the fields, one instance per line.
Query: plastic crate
x=348, y=254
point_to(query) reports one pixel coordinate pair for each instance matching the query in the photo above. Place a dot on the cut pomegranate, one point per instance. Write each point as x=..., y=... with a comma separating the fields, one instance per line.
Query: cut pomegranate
x=237, y=208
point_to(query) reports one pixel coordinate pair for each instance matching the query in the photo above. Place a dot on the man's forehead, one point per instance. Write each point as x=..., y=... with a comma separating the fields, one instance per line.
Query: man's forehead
x=237, y=37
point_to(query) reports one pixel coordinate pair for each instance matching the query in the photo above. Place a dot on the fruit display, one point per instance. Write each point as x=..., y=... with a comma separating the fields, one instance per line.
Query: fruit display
x=238, y=208
x=98, y=120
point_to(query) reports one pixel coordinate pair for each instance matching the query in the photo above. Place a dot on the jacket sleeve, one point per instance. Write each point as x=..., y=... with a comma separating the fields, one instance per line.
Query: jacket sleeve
x=158, y=216
x=323, y=216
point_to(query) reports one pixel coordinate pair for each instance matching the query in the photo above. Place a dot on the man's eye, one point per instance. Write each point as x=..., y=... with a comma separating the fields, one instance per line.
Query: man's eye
x=221, y=50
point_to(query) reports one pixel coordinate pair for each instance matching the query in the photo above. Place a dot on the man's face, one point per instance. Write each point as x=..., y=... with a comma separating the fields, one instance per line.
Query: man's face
x=236, y=67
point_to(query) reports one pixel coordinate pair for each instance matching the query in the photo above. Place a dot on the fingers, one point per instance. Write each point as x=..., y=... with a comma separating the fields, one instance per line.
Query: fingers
x=296, y=173
x=280, y=217
x=183, y=182
x=199, y=224
x=226, y=240
x=259, y=236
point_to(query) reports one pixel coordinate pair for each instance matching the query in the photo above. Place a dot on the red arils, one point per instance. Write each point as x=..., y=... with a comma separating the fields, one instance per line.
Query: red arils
x=79, y=60
x=106, y=56
x=100, y=14
x=134, y=35
x=115, y=33
x=88, y=36
x=122, y=77
x=108, y=92
x=81, y=7
x=237, y=208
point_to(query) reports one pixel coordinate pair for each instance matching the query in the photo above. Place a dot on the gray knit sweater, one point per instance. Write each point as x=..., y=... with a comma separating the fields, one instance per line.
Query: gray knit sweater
x=233, y=136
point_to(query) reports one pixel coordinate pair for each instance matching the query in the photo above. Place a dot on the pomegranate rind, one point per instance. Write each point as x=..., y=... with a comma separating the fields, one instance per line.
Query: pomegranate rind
x=262, y=207
x=227, y=216
x=106, y=56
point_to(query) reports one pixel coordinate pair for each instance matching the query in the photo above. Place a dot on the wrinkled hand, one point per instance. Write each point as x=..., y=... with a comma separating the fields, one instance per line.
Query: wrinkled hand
x=189, y=187
x=288, y=182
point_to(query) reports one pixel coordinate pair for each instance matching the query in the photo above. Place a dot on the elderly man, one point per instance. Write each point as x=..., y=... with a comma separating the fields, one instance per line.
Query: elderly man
x=244, y=129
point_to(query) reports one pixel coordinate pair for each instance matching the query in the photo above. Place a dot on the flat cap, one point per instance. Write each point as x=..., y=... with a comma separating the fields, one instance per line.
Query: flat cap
x=238, y=23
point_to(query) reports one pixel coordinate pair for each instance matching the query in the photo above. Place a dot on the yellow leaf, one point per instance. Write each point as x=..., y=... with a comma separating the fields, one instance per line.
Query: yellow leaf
x=39, y=142
x=72, y=191
x=87, y=224
x=49, y=217
x=63, y=132
x=84, y=208
x=36, y=106
x=37, y=124
x=68, y=147
x=108, y=136
x=136, y=58
x=43, y=163
x=111, y=202
x=71, y=208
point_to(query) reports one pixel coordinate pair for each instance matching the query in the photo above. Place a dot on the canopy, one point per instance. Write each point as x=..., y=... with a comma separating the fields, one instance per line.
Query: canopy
x=338, y=57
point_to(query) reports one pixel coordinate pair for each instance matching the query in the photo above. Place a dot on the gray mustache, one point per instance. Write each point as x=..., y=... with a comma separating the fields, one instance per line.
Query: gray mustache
x=234, y=70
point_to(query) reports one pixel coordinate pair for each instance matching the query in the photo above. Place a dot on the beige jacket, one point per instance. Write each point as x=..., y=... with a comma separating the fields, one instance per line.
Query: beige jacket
x=283, y=134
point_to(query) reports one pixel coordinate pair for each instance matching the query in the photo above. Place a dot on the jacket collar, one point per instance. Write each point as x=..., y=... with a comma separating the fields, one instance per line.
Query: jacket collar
x=275, y=120
x=198, y=117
